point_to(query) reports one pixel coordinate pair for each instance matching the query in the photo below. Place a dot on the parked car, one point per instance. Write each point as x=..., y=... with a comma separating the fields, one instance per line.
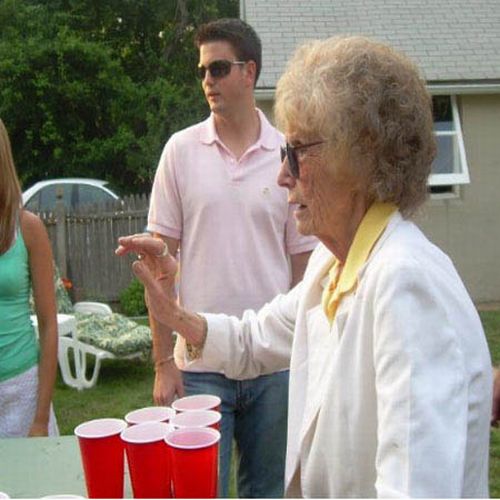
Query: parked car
x=76, y=192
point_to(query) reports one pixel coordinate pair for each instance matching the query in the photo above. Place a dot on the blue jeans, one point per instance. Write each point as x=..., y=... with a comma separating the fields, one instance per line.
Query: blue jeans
x=254, y=412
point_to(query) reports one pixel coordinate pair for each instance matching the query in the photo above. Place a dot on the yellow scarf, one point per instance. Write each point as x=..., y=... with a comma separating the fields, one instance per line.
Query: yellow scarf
x=344, y=280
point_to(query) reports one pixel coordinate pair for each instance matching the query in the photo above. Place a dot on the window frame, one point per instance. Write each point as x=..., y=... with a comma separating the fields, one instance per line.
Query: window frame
x=453, y=179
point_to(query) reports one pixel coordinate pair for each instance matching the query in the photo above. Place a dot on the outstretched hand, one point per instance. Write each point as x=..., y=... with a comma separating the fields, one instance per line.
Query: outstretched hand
x=156, y=269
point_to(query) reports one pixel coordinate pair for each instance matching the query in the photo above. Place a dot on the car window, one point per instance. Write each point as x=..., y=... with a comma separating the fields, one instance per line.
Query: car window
x=33, y=203
x=47, y=197
x=92, y=194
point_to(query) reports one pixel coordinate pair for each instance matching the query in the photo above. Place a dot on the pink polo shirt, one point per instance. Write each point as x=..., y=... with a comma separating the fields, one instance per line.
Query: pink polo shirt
x=233, y=221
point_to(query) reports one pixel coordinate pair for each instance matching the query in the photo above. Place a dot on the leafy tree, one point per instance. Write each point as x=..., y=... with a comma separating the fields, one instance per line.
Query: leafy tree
x=95, y=88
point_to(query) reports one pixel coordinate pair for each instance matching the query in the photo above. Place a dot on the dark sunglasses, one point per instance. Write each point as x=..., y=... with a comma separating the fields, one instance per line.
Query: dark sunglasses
x=217, y=69
x=290, y=153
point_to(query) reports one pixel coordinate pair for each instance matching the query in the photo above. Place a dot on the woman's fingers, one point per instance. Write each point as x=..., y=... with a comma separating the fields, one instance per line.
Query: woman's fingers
x=142, y=244
x=145, y=276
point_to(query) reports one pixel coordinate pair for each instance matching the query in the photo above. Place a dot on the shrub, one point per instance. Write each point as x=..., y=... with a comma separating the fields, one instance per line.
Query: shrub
x=132, y=299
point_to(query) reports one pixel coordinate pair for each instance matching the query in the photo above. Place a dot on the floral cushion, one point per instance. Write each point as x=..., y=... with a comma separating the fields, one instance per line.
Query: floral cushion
x=114, y=333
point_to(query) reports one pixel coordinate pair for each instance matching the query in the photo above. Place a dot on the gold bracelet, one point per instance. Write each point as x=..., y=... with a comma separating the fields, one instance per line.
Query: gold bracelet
x=163, y=361
x=195, y=352
x=205, y=330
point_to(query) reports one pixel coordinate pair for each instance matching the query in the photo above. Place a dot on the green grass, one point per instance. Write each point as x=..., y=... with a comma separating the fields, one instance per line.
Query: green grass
x=122, y=386
x=127, y=385
x=491, y=323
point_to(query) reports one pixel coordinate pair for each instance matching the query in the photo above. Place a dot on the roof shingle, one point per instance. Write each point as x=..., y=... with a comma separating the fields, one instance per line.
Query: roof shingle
x=451, y=40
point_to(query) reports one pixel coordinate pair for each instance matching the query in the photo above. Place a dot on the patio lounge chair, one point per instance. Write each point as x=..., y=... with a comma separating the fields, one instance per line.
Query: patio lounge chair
x=99, y=334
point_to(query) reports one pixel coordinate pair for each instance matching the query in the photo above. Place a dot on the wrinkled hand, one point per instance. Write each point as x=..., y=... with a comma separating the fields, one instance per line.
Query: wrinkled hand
x=153, y=252
x=167, y=384
x=495, y=412
x=155, y=268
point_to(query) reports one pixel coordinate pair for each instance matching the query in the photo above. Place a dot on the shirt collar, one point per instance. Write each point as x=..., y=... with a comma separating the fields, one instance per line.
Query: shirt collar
x=268, y=138
x=369, y=231
x=372, y=226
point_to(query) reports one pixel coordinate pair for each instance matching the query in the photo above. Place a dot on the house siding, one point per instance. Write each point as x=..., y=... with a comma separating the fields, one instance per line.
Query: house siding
x=468, y=228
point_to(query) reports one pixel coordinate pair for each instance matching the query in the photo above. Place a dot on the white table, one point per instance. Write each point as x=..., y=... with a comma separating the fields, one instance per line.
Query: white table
x=34, y=467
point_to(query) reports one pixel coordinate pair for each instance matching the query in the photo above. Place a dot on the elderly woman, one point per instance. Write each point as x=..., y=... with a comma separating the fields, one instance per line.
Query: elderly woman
x=390, y=375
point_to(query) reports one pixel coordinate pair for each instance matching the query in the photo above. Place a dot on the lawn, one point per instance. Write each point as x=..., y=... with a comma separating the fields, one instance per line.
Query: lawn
x=491, y=323
x=126, y=385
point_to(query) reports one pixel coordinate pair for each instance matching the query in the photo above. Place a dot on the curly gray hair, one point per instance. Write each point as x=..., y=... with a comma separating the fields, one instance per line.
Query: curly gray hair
x=370, y=101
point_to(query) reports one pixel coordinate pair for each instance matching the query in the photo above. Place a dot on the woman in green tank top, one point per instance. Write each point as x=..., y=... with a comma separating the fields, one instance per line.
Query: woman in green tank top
x=28, y=366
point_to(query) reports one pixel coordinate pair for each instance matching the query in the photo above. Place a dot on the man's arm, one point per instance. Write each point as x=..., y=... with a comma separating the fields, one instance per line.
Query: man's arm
x=299, y=263
x=168, y=379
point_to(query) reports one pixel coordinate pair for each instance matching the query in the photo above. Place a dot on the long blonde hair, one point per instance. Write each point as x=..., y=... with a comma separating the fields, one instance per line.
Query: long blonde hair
x=10, y=192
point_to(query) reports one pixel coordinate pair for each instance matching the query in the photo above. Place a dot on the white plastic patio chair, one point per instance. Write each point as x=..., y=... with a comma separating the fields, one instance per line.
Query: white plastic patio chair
x=66, y=326
x=71, y=348
x=82, y=351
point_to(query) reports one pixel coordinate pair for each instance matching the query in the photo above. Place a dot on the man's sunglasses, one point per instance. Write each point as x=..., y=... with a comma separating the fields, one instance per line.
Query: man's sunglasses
x=217, y=69
x=290, y=153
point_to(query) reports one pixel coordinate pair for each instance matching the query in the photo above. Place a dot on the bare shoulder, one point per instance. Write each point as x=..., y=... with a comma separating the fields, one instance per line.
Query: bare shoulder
x=32, y=227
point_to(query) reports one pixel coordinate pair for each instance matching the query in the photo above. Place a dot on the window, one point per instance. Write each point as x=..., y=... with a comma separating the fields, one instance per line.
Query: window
x=450, y=165
x=45, y=199
x=93, y=194
x=33, y=204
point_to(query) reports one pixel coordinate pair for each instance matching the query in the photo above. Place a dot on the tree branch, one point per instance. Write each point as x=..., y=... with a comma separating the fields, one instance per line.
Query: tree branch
x=181, y=11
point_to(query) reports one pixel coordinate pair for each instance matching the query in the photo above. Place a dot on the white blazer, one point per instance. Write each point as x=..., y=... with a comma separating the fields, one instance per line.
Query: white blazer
x=392, y=400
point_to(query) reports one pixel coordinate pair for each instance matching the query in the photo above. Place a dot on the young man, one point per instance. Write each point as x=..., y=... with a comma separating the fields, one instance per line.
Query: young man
x=216, y=200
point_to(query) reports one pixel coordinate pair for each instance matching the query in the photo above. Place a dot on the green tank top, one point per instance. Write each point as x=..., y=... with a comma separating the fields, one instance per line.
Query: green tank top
x=18, y=343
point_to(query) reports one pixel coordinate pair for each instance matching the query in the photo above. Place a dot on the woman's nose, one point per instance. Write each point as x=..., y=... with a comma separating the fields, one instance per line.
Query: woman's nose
x=285, y=178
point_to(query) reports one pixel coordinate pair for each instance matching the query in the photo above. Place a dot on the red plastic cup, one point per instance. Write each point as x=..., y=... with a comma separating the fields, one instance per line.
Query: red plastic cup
x=197, y=418
x=148, y=459
x=102, y=456
x=194, y=454
x=150, y=414
x=197, y=402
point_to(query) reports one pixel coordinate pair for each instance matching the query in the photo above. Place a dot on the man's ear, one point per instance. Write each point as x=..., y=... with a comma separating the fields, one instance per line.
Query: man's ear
x=251, y=72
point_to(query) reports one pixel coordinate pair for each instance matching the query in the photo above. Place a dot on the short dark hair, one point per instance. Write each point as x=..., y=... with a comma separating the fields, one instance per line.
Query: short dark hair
x=242, y=37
